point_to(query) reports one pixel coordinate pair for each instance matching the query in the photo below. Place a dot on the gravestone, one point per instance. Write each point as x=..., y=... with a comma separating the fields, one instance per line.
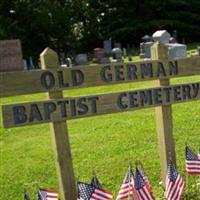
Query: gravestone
x=145, y=49
x=11, y=56
x=100, y=56
x=142, y=50
x=172, y=40
x=124, y=52
x=176, y=50
x=161, y=36
x=67, y=62
x=81, y=59
x=117, y=54
x=147, y=38
x=107, y=44
x=198, y=50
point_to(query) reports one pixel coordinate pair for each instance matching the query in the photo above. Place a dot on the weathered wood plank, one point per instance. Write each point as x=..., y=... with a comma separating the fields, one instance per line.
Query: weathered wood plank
x=37, y=81
x=86, y=106
x=60, y=138
x=164, y=121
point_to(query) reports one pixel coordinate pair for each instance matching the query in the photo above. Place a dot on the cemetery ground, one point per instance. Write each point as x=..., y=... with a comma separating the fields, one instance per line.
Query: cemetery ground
x=104, y=144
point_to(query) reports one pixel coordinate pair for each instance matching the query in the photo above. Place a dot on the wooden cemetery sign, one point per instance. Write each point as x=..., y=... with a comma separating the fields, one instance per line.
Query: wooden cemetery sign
x=56, y=110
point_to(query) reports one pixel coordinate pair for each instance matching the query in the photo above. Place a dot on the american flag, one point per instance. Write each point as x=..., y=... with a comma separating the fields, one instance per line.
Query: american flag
x=89, y=192
x=141, y=187
x=140, y=168
x=127, y=187
x=192, y=162
x=174, y=184
x=95, y=182
x=47, y=195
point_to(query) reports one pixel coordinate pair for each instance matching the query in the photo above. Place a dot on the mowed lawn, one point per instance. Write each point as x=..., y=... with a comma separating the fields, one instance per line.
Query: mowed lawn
x=104, y=144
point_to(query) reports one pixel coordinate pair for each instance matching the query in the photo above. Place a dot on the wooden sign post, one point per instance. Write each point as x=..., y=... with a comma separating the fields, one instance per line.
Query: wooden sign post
x=164, y=117
x=56, y=109
x=60, y=138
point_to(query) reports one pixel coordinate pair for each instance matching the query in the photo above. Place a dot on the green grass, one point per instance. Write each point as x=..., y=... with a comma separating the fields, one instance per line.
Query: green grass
x=104, y=144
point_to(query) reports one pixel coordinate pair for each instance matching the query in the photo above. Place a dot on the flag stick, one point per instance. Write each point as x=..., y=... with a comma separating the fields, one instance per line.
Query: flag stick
x=129, y=183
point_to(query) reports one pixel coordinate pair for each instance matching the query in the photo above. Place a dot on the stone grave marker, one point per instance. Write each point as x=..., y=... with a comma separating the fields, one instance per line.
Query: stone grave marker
x=100, y=56
x=117, y=54
x=176, y=50
x=107, y=44
x=11, y=56
x=145, y=49
x=161, y=36
x=81, y=59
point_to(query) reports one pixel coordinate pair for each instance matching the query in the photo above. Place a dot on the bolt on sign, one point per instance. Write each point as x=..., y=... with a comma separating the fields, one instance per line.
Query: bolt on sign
x=56, y=109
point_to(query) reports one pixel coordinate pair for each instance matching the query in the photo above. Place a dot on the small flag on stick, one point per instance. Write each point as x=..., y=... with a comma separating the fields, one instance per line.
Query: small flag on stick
x=47, y=194
x=192, y=162
x=142, y=187
x=127, y=187
x=141, y=169
x=89, y=192
x=174, y=184
x=95, y=182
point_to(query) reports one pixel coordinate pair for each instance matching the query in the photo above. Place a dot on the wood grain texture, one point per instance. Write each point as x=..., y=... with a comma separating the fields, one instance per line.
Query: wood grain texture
x=60, y=138
x=164, y=120
x=29, y=82
x=87, y=106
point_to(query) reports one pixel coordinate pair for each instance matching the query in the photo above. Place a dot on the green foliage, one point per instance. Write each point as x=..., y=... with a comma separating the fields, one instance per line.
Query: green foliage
x=85, y=23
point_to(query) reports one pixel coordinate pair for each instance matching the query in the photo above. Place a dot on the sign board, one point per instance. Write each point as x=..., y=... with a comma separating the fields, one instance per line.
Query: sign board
x=12, y=83
x=10, y=56
x=86, y=106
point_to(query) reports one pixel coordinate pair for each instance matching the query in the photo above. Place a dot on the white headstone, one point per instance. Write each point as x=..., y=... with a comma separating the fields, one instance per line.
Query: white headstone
x=161, y=36
x=11, y=56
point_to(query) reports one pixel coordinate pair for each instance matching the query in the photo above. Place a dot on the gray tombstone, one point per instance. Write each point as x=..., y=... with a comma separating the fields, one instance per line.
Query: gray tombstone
x=25, y=64
x=81, y=59
x=107, y=44
x=104, y=60
x=198, y=50
x=124, y=52
x=177, y=50
x=147, y=38
x=172, y=40
x=145, y=50
x=67, y=63
x=117, y=54
x=161, y=36
x=100, y=56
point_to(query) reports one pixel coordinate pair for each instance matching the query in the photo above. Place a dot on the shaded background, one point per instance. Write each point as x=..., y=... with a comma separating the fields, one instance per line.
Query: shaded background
x=84, y=24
